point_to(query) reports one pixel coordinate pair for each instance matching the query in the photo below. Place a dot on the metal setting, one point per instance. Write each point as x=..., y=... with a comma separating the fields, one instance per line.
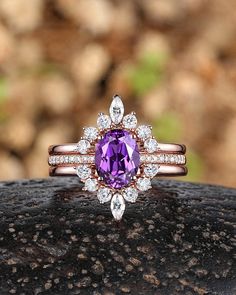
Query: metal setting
x=153, y=158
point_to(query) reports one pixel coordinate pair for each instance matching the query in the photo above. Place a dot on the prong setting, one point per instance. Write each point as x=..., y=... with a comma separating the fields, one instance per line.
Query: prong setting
x=147, y=144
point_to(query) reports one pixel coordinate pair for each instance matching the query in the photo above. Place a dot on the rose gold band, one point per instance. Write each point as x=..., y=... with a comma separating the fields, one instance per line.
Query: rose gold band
x=72, y=148
x=64, y=158
x=164, y=170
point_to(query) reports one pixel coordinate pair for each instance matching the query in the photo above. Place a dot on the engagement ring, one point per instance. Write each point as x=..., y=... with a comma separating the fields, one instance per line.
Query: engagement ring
x=118, y=158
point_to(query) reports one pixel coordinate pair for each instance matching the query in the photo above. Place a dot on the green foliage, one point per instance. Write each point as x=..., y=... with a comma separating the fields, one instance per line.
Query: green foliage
x=3, y=98
x=147, y=73
x=3, y=90
x=41, y=70
x=195, y=167
x=47, y=68
x=168, y=127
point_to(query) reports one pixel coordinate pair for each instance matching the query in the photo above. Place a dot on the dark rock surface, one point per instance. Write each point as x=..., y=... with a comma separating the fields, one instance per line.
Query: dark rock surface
x=179, y=238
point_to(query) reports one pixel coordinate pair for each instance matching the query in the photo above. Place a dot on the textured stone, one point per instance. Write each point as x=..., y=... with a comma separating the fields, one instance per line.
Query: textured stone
x=181, y=234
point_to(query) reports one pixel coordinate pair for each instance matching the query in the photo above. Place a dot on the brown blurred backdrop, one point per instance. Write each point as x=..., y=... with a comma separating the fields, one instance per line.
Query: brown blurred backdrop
x=172, y=61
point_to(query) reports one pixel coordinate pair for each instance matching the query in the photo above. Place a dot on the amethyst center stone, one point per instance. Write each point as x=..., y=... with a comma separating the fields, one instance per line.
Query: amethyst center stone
x=117, y=158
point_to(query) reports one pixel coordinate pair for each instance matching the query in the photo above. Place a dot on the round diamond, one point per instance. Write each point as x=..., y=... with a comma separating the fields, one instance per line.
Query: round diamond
x=91, y=184
x=130, y=121
x=143, y=184
x=83, y=146
x=83, y=171
x=130, y=194
x=104, y=122
x=144, y=131
x=151, y=145
x=151, y=170
x=104, y=195
x=90, y=133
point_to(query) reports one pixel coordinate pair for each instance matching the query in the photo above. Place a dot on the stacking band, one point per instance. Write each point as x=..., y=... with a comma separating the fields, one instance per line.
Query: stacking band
x=156, y=158
x=164, y=170
x=72, y=148
x=170, y=157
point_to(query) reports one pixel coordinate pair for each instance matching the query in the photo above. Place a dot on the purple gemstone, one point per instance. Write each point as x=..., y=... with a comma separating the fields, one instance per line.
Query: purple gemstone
x=117, y=158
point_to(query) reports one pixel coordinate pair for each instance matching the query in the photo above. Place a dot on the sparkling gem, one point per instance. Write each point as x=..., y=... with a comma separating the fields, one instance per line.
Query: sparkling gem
x=117, y=206
x=162, y=158
x=143, y=158
x=130, y=121
x=143, y=184
x=51, y=160
x=90, y=133
x=104, y=195
x=130, y=194
x=144, y=131
x=83, y=171
x=91, y=184
x=104, y=121
x=151, y=145
x=172, y=159
x=116, y=110
x=117, y=158
x=151, y=170
x=167, y=158
x=83, y=145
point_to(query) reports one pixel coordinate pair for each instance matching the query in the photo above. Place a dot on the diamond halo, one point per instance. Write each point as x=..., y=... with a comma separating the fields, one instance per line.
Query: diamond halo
x=127, y=143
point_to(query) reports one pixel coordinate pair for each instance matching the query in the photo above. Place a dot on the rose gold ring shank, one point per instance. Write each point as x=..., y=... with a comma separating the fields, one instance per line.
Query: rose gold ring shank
x=164, y=170
x=72, y=148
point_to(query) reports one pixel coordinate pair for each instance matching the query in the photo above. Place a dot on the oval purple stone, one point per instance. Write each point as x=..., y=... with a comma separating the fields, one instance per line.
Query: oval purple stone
x=117, y=158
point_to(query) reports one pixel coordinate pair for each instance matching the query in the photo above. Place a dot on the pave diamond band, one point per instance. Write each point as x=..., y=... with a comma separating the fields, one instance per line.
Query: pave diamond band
x=70, y=159
x=117, y=159
x=161, y=158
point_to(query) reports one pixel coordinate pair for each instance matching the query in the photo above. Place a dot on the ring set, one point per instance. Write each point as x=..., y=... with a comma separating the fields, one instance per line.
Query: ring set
x=118, y=158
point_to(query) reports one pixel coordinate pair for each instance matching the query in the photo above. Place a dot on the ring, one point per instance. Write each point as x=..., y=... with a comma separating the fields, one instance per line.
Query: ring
x=117, y=159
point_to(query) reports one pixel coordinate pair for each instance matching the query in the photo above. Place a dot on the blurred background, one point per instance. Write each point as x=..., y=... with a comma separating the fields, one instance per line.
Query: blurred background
x=172, y=61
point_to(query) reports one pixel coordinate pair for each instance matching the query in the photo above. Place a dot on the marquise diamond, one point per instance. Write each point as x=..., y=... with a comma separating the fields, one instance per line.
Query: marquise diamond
x=116, y=110
x=117, y=206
